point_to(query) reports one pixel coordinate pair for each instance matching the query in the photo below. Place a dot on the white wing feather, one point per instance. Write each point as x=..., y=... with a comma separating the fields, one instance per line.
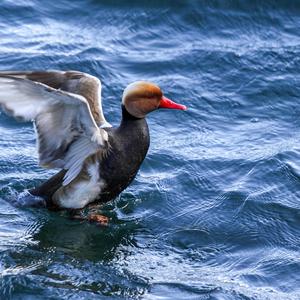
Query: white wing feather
x=67, y=132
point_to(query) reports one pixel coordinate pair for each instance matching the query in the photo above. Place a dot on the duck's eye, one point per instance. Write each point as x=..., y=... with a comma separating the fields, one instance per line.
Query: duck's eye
x=149, y=95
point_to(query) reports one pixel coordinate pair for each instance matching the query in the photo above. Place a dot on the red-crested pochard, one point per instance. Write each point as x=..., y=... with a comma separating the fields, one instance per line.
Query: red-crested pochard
x=97, y=161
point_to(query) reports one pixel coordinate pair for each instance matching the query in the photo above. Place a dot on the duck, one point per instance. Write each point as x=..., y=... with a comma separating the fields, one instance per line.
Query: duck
x=96, y=161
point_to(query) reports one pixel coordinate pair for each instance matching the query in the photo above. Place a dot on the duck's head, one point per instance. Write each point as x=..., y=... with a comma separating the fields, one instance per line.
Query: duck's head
x=141, y=97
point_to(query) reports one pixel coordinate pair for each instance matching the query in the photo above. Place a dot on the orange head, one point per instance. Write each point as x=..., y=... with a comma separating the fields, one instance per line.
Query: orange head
x=141, y=97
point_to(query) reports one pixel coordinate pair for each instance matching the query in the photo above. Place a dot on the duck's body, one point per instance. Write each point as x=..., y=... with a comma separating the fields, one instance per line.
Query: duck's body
x=129, y=144
x=98, y=161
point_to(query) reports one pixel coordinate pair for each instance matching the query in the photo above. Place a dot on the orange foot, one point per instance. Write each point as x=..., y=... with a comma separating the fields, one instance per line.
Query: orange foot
x=100, y=219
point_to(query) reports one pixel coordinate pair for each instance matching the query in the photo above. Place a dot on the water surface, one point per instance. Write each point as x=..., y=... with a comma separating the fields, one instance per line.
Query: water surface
x=214, y=212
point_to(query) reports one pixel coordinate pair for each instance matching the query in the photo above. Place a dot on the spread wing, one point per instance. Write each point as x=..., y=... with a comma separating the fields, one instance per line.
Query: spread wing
x=74, y=82
x=67, y=131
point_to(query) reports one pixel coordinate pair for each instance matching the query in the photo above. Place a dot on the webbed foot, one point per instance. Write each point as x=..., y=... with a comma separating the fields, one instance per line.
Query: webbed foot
x=99, y=219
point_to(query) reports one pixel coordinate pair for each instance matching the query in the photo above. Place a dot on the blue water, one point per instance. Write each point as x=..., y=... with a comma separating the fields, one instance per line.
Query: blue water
x=214, y=212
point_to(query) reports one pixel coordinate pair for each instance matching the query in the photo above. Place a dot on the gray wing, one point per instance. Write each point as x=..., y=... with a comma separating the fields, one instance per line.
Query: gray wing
x=74, y=82
x=67, y=131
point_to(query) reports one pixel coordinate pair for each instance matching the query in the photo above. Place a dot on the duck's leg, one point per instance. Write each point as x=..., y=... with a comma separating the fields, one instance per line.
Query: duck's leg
x=94, y=217
x=99, y=219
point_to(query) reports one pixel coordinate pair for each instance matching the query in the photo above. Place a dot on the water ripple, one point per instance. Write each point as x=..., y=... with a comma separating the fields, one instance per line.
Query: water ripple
x=214, y=210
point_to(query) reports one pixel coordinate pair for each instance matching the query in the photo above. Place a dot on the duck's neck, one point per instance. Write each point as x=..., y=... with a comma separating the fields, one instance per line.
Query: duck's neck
x=134, y=129
x=127, y=118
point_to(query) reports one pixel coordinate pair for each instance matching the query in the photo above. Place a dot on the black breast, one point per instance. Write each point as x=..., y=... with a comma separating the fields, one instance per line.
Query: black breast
x=129, y=144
